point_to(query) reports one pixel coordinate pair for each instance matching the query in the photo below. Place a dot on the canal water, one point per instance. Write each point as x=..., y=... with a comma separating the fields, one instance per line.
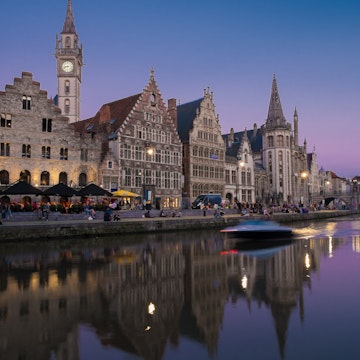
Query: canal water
x=189, y=295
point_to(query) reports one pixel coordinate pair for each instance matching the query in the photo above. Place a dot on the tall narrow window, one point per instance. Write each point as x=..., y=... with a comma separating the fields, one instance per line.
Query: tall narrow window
x=270, y=141
x=45, y=178
x=25, y=176
x=26, y=151
x=45, y=152
x=63, y=178
x=26, y=102
x=4, y=177
x=46, y=125
x=67, y=106
x=63, y=154
x=82, y=179
x=4, y=149
x=67, y=86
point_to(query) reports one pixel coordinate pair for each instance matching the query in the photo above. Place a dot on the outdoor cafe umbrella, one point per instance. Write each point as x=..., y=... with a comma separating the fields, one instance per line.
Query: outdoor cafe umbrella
x=22, y=188
x=93, y=190
x=125, y=193
x=61, y=189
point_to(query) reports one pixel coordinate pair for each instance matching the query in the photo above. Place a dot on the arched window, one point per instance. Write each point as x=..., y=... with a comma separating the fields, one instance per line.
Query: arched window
x=82, y=179
x=25, y=176
x=45, y=178
x=67, y=106
x=68, y=42
x=4, y=177
x=63, y=177
x=67, y=86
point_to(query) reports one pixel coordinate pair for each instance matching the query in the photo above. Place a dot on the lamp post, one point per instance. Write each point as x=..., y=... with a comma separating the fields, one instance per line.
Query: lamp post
x=149, y=152
x=240, y=165
x=326, y=183
x=303, y=175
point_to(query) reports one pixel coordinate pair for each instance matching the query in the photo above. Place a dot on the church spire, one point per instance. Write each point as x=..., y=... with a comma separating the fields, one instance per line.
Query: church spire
x=275, y=114
x=69, y=24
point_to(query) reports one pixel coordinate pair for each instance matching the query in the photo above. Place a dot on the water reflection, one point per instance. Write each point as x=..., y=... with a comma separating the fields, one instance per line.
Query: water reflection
x=142, y=295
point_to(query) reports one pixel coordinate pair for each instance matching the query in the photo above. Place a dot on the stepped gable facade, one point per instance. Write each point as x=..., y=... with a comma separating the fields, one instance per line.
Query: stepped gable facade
x=36, y=142
x=141, y=150
x=203, y=147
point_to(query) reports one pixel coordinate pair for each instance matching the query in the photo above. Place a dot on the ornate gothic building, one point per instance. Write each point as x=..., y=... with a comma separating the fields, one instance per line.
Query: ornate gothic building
x=281, y=171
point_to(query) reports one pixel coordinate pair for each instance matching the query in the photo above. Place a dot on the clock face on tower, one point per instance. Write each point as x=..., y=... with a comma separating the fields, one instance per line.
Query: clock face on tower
x=67, y=66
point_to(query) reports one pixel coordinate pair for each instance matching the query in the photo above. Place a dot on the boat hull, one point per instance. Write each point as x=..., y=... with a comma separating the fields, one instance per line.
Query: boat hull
x=258, y=234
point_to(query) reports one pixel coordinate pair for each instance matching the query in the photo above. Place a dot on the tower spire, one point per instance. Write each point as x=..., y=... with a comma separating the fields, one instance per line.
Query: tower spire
x=69, y=24
x=275, y=113
x=69, y=61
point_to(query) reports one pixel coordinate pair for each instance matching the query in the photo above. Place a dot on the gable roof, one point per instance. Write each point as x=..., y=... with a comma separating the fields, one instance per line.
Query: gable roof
x=255, y=139
x=112, y=115
x=186, y=114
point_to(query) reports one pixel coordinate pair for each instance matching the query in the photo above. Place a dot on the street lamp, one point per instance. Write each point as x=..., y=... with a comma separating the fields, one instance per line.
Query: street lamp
x=149, y=152
x=303, y=175
x=240, y=165
x=326, y=183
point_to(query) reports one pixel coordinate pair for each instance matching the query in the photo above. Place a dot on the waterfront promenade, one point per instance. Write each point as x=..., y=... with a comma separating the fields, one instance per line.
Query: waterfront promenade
x=28, y=226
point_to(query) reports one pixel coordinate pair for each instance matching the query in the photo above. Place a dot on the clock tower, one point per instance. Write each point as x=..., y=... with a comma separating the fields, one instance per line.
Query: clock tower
x=69, y=61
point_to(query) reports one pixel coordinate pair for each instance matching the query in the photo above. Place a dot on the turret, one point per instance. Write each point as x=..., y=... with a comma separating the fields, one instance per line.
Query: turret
x=296, y=128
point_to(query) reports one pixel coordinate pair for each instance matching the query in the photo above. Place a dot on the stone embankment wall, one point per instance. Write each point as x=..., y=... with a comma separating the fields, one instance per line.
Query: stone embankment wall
x=82, y=227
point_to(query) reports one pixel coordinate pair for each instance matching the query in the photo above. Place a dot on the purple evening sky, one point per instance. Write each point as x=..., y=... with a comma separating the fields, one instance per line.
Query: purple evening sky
x=233, y=47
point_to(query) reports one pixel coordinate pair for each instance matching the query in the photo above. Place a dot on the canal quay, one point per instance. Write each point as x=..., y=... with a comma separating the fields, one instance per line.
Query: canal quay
x=28, y=227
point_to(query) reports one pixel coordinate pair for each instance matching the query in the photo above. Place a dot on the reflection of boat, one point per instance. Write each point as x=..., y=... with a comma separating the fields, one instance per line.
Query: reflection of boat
x=257, y=250
x=258, y=229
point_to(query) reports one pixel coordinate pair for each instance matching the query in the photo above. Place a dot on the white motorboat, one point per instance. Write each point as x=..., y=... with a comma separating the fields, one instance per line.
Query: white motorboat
x=259, y=229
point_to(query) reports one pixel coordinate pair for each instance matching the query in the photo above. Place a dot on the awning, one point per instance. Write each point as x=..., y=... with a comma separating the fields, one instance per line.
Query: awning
x=124, y=193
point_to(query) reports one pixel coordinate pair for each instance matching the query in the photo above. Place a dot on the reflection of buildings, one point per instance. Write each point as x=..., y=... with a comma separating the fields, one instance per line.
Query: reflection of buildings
x=145, y=297
x=140, y=298
x=205, y=291
x=277, y=281
x=40, y=314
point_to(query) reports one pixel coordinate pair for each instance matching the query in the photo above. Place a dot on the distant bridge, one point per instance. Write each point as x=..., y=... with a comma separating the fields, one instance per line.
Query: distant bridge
x=339, y=201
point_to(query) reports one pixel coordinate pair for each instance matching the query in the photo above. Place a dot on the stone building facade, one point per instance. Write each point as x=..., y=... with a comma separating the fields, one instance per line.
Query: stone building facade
x=203, y=147
x=37, y=143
